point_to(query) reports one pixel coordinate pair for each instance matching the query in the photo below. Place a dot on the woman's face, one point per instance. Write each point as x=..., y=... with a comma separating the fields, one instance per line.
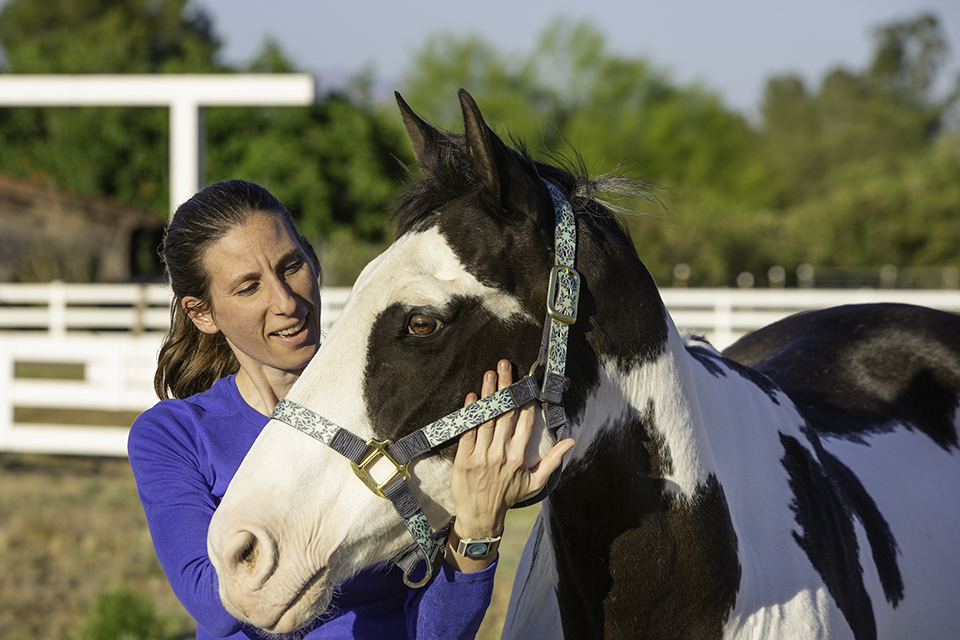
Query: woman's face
x=264, y=296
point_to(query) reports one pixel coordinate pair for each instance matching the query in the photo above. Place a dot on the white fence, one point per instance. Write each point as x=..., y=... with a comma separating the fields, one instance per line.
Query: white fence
x=108, y=335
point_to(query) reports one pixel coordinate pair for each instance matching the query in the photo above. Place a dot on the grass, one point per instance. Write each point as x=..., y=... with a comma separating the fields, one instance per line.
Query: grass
x=72, y=529
x=75, y=550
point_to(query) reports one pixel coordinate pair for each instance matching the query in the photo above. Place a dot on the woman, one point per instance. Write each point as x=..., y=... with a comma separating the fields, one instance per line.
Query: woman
x=245, y=321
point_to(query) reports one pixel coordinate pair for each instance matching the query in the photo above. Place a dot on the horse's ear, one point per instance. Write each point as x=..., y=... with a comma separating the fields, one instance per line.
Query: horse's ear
x=423, y=137
x=496, y=165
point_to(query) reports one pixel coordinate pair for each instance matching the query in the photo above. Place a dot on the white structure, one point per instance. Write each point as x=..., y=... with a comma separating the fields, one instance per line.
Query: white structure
x=112, y=333
x=185, y=95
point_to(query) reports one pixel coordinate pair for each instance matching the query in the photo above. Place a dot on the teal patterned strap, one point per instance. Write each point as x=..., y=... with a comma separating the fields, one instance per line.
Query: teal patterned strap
x=319, y=428
x=563, y=300
x=427, y=543
x=451, y=426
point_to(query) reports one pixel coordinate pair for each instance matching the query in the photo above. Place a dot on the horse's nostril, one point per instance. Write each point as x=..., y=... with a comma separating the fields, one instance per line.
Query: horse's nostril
x=248, y=553
x=250, y=556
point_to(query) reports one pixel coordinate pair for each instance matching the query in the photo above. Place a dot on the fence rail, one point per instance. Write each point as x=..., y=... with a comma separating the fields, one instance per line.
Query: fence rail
x=108, y=336
x=58, y=309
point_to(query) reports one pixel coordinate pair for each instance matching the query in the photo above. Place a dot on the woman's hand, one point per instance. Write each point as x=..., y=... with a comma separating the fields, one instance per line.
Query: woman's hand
x=490, y=473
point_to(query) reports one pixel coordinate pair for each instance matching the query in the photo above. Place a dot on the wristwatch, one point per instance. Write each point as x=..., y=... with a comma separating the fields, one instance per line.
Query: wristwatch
x=478, y=547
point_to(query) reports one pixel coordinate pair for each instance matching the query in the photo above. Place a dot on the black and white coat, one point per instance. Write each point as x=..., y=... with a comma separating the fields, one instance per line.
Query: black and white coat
x=805, y=486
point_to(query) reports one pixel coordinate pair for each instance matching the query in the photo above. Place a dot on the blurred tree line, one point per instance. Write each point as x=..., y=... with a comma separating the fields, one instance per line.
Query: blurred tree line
x=333, y=164
x=860, y=171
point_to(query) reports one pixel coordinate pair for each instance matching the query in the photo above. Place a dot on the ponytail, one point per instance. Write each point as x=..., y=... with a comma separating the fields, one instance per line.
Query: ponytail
x=190, y=361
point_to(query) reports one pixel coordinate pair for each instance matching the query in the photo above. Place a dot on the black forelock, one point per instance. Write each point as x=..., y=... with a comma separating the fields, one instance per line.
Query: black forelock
x=453, y=178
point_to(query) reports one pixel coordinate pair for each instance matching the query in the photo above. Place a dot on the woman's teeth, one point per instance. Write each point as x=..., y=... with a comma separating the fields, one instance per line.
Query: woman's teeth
x=292, y=330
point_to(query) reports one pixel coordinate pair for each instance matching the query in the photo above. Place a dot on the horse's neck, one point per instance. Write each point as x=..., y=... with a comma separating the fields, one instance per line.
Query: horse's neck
x=661, y=400
x=639, y=511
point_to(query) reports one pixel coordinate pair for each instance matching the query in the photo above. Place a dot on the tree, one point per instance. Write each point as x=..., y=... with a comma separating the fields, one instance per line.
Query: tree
x=571, y=94
x=116, y=152
x=887, y=110
x=334, y=163
x=571, y=91
x=859, y=163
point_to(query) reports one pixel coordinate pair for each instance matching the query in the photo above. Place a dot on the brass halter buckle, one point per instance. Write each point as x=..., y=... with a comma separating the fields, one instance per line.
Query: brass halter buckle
x=378, y=449
x=552, y=309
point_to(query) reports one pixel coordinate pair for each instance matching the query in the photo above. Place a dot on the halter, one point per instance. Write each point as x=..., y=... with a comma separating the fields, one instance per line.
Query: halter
x=562, y=299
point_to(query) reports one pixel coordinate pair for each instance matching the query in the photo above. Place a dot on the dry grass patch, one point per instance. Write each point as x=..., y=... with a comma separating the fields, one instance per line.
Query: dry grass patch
x=72, y=529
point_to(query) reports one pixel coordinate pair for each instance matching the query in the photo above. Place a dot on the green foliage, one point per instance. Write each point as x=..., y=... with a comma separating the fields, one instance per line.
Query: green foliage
x=572, y=92
x=118, y=152
x=124, y=615
x=106, y=36
x=334, y=164
x=860, y=170
x=855, y=172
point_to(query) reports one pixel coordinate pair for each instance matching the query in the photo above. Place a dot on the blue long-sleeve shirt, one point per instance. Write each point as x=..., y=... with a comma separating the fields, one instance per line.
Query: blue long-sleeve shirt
x=184, y=453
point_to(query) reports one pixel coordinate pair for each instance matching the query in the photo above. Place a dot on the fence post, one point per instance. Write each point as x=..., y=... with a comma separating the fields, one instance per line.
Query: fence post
x=6, y=398
x=57, y=308
x=140, y=311
x=723, y=320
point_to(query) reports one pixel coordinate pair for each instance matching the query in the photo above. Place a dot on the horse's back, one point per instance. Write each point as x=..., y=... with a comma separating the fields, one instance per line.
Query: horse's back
x=858, y=367
x=879, y=388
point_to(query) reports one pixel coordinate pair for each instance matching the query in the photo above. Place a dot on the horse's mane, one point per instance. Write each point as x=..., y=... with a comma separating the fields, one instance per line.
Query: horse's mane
x=451, y=177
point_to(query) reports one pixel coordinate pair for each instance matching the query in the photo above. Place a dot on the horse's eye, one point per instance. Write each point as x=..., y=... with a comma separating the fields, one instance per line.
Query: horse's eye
x=421, y=325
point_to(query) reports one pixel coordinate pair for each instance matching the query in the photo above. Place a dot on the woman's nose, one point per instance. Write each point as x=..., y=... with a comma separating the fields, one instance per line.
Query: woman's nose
x=283, y=299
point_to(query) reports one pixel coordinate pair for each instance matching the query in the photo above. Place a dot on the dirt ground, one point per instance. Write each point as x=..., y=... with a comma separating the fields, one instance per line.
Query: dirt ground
x=72, y=528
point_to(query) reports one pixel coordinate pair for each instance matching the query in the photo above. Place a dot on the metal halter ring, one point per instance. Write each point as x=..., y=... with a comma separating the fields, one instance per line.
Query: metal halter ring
x=378, y=449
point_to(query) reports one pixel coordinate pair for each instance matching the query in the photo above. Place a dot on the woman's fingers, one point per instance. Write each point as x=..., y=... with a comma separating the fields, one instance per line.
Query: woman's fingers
x=540, y=474
x=468, y=439
x=506, y=423
x=485, y=432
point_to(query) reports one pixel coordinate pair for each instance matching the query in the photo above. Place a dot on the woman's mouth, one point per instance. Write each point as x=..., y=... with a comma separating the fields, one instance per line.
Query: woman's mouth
x=292, y=330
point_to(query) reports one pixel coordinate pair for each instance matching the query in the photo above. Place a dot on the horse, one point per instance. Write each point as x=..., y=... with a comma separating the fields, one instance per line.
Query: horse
x=805, y=483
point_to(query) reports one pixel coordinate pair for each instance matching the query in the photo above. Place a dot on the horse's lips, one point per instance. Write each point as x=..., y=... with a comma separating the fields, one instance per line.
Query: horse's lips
x=309, y=602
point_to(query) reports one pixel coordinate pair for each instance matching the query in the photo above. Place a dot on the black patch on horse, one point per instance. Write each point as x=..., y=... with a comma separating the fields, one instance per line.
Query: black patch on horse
x=711, y=362
x=707, y=360
x=411, y=381
x=864, y=369
x=827, y=496
x=611, y=514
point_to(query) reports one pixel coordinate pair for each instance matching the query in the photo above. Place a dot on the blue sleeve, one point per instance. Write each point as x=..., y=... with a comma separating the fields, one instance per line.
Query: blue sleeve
x=178, y=504
x=451, y=606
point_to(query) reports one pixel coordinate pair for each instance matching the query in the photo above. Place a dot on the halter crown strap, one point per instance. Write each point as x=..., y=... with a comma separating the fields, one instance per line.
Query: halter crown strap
x=562, y=299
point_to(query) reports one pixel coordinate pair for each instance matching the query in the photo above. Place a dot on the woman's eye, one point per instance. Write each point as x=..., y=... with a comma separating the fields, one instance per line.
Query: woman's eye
x=293, y=267
x=421, y=325
x=248, y=289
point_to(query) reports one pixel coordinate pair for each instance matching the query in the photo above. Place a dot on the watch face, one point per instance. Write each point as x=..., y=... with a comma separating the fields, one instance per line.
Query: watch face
x=476, y=549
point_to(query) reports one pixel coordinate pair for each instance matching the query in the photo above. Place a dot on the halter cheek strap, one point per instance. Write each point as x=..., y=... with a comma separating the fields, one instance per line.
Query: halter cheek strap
x=562, y=300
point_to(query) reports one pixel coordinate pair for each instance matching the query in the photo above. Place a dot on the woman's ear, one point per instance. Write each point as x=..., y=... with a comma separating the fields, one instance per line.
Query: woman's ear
x=200, y=314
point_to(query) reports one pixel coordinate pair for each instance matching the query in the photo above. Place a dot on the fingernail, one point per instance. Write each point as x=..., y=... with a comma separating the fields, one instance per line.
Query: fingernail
x=504, y=365
x=490, y=376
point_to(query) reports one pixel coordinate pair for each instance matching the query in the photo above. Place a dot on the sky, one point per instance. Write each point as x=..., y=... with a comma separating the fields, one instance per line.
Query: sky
x=732, y=47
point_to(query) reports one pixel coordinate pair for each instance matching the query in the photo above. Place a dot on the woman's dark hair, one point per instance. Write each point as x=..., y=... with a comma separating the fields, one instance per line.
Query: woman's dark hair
x=190, y=361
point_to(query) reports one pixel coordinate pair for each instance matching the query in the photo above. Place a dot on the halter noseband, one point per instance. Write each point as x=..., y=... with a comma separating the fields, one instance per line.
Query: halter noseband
x=562, y=299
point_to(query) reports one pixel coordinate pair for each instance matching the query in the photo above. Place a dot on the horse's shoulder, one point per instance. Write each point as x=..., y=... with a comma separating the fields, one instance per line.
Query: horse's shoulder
x=855, y=367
